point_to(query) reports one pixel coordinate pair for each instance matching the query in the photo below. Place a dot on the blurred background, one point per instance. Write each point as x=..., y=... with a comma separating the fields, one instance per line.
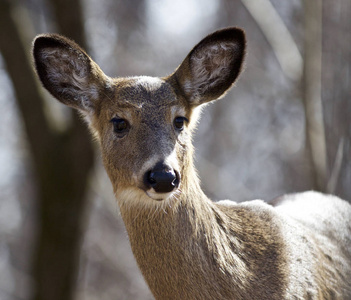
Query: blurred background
x=285, y=127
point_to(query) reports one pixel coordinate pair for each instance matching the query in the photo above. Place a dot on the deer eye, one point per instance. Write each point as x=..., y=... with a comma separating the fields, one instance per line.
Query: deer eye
x=179, y=123
x=120, y=126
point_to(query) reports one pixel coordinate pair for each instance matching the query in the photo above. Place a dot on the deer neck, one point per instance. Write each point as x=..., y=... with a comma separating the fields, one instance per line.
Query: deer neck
x=185, y=237
x=195, y=249
x=187, y=209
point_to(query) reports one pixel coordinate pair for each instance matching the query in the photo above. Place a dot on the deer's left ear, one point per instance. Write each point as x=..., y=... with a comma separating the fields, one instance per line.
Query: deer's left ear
x=68, y=73
x=212, y=66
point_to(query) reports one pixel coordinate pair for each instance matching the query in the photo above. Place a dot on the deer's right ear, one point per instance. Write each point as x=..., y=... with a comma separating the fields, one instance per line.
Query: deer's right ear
x=67, y=72
x=212, y=66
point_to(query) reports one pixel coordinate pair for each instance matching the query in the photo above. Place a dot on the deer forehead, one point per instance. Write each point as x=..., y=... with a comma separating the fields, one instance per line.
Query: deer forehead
x=144, y=90
x=142, y=97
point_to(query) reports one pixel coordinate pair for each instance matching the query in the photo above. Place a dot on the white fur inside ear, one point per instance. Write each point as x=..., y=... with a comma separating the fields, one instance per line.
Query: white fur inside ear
x=67, y=72
x=210, y=66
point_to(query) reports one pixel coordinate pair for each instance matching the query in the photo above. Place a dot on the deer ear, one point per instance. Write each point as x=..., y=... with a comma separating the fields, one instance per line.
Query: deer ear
x=212, y=66
x=67, y=72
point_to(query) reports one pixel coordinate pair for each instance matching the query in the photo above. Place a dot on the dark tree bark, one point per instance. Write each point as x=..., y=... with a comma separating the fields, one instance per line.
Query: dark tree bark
x=61, y=160
x=69, y=20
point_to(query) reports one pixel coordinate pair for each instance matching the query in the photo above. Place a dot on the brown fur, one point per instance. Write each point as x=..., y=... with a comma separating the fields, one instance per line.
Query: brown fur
x=186, y=246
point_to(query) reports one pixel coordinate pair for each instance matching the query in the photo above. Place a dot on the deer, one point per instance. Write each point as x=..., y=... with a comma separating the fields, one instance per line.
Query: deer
x=187, y=246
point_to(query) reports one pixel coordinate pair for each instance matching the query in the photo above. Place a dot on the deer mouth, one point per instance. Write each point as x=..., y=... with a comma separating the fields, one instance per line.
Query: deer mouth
x=159, y=196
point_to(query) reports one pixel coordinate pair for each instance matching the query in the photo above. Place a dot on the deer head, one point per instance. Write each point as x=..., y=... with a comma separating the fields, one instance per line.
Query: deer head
x=143, y=124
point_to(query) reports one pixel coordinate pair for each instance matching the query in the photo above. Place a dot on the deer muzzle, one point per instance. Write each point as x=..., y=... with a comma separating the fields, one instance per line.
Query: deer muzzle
x=162, y=178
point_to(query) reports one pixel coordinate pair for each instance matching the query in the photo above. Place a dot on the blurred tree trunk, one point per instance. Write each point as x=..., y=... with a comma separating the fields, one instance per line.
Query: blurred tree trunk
x=130, y=23
x=315, y=134
x=61, y=160
x=336, y=93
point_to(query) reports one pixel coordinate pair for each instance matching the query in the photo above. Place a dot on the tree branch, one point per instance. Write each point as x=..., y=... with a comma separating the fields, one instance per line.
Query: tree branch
x=277, y=35
x=312, y=92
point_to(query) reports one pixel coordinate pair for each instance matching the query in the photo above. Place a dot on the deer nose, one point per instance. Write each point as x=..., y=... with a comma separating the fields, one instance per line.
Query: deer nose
x=162, y=178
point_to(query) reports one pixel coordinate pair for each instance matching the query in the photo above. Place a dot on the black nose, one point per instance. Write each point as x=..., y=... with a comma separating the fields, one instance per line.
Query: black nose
x=162, y=178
